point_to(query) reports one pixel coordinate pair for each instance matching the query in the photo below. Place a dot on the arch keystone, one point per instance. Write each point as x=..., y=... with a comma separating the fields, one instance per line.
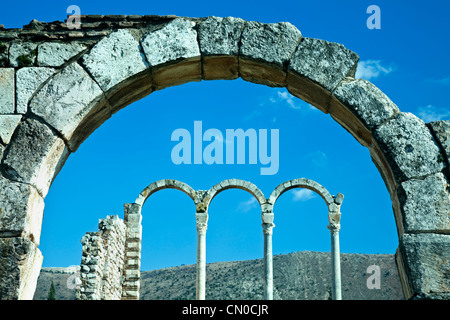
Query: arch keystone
x=219, y=44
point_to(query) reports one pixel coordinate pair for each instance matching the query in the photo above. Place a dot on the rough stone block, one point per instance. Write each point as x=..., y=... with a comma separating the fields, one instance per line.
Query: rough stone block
x=69, y=98
x=326, y=63
x=427, y=258
x=219, y=44
x=21, y=210
x=175, y=44
x=409, y=147
x=55, y=54
x=114, y=59
x=7, y=89
x=265, y=52
x=19, y=268
x=316, y=68
x=35, y=155
x=366, y=101
x=28, y=81
x=425, y=204
x=8, y=124
x=441, y=130
x=22, y=54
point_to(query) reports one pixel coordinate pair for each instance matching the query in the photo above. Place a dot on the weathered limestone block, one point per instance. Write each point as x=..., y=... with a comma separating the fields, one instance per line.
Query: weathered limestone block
x=173, y=53
x=22, y=54
x=409, y=147
x=28, y=81
x=265, y=52
x=441, y=130
x=317, y=67
x=7, y=89
x=219, y=44
x=427, y=258
x=8, y=124
x=117, y=59
x=69, y=98
x=19, y=268
x=21, y=210
x=114, y=59
x=425, y=204
x=55, y=54
x=364, y=100
x=35, y=155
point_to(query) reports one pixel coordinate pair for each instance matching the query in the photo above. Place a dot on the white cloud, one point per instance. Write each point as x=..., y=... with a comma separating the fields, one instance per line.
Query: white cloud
x=317, y=158
x=303, y=195
x=246, y=206
x=432, y=113
x=442, y=81
x=283, y=96
x=371, y=69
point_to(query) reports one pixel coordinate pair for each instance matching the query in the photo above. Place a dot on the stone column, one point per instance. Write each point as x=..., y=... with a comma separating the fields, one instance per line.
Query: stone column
x=268, y=256
x=335, y=261
x=202, y=224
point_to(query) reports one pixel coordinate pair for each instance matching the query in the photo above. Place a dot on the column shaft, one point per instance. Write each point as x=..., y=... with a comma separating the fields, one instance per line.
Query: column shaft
x=201, y=266
x=268, y=261
x=335, y=263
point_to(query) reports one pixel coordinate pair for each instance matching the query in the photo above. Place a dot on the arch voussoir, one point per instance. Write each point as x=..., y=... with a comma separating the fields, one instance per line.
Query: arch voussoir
x=265, y=51
x=316, y=68
x=220, y=59
x=173, y=53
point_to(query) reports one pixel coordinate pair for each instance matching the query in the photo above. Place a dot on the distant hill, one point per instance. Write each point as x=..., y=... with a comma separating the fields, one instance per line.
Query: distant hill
x=302, y=275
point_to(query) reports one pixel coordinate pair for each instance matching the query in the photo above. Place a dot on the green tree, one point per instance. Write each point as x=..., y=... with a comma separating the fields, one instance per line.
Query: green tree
x=51, y=292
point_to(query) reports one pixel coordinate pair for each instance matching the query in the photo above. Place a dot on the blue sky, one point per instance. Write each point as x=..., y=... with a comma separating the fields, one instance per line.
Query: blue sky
x=407, y=59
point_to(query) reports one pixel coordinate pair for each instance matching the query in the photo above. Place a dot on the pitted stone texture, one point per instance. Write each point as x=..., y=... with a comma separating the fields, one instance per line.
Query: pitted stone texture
x=19, y=268
x=26, y=49
x=8, y=124
x=7, y=90
x=176, y=40
x=326, y=63
x=271, y=43
x=21, y=210
x=409, y=147
x=28, y=81
x=114, y=59
x=220, y=36
x=364, y=99
x=55, y=54
x=66, y=99
x=441, y=130
x=34, y=156
x=427, y=256
x=4, y=48
x=425, y=204
x=265, y=52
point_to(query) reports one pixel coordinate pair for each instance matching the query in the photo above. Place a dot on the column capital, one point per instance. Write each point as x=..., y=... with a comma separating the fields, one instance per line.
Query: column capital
x=334, y=227
x=268, y=228
x=201, y=219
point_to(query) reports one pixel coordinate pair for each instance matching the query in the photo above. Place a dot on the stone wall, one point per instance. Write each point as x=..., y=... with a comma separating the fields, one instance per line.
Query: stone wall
x=102, y=261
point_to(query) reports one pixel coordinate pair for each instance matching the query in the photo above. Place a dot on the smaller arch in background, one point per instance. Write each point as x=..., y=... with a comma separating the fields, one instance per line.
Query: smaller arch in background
x=165, y=184
x=332, y=202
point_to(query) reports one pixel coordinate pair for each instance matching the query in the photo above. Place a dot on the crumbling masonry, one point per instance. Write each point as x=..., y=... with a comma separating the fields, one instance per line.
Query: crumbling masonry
x=58, y=85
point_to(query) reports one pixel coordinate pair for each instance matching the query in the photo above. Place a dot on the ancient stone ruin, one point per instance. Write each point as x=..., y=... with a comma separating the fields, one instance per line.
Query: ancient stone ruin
x=111, y=258
x=57, y=85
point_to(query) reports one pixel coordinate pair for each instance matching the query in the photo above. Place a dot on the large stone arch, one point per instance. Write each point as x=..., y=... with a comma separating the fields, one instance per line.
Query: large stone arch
x=74, y=80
